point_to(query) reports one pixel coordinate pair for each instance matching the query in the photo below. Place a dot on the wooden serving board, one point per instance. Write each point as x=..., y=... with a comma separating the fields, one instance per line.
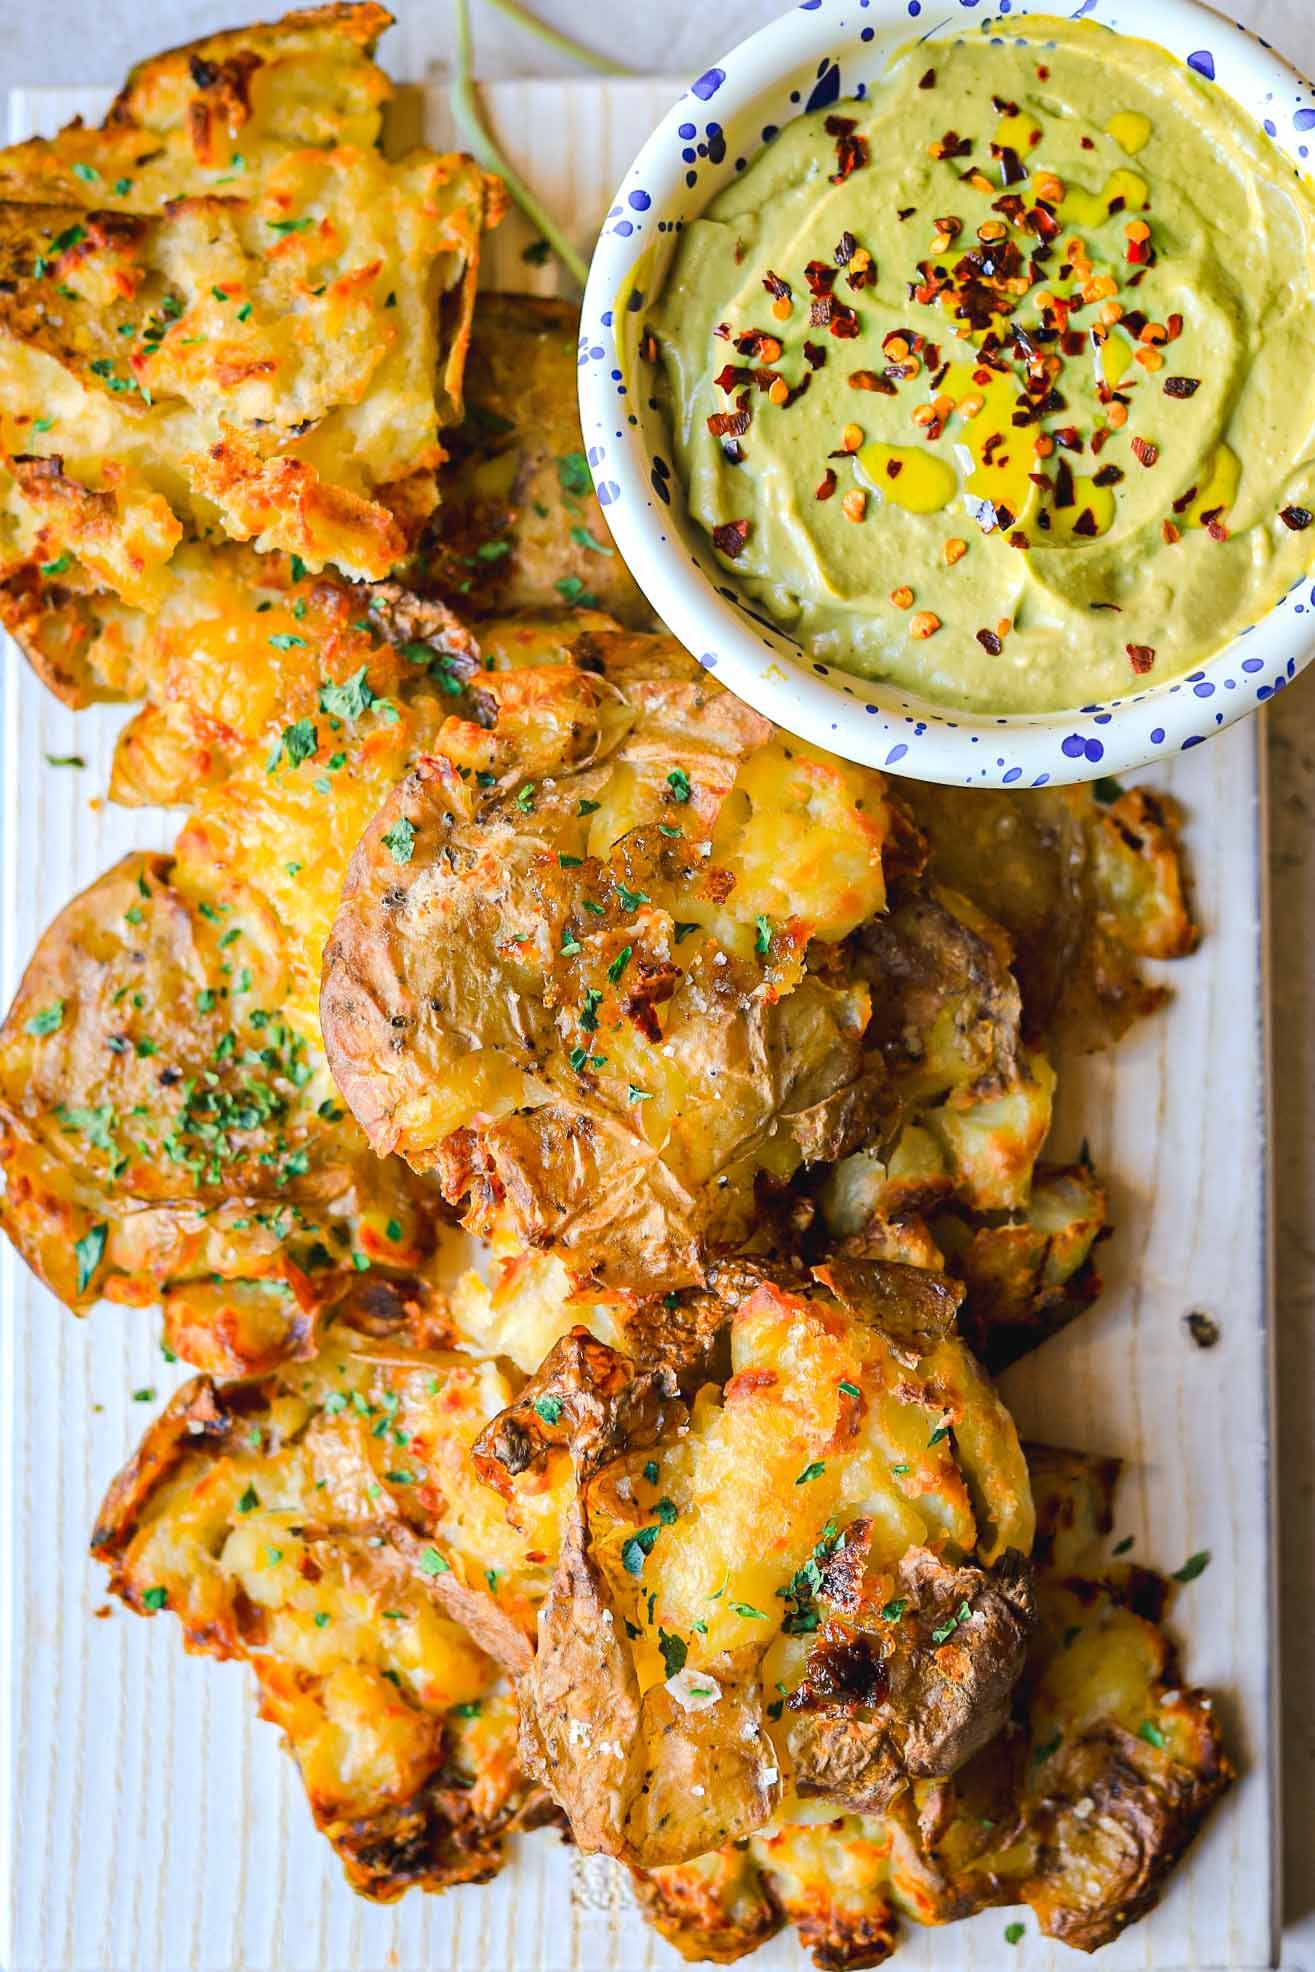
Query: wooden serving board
x=149, y=1820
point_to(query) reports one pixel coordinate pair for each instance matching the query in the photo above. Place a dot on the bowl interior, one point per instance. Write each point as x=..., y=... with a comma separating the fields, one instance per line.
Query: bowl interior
x=824, y=51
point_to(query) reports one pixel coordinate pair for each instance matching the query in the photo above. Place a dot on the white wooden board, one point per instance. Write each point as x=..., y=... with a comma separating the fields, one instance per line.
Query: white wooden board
x=148, y=1820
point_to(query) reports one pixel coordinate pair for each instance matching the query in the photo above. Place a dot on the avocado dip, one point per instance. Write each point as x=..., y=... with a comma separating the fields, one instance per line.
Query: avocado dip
x=1000, y=382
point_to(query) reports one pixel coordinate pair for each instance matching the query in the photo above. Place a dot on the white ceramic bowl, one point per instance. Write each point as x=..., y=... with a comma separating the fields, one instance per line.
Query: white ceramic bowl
x=823, y=50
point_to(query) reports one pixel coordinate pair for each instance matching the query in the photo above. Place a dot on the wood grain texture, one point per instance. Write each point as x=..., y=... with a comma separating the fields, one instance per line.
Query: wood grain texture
x=152, y=1822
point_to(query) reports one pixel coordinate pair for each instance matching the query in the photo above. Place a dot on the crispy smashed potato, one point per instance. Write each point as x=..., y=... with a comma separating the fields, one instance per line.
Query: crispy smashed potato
x=326, y=1526
x=520, y=527
x=167, y=1136
x=1079, y=1809
x=1085, y=881
x=223, y=313
x=843, y=1521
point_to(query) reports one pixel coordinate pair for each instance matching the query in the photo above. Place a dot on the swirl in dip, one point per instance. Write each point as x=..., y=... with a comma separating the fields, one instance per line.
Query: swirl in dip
x=1000, y=383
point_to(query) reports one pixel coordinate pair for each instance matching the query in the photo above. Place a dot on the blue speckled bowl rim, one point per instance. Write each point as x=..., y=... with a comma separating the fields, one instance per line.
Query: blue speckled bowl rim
x=824, y=49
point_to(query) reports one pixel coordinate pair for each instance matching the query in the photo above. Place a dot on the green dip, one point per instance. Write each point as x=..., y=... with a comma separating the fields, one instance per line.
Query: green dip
x=1000, y=383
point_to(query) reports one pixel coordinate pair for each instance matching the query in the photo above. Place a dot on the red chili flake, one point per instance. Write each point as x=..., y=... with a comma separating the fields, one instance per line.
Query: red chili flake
x=1100, y=439
x=729, y=424
x=1041, y=220
x=1141, y=657
x=1003, y=107
x=797, y=390
x=820, y=278
x=1088, y=143
x=729, y=378
x=648, y=346
x=1018, y=540
x=1042, y=73
x=1140, y=253
x=1012, y=169
x=894, y=467
x=1297, y=518
x=991, y=447
x=1070, y=438
x=1144, y=451
x=1214, y=527
x=1170, y=533
x=814, y=355
x=869, y=380
x=1073, y=342
x=1173, y=328
x=843, y=322
x=760, y=343
x=906, y=212
x=952, y=145
x=777, y=287
x=828, y=485
x=928, y=81
x=821, y=310
x=723, y=329
x=1108, y=476
x=1010, y=207
x=732, y=451
x=845, y=248
x=1184, y=500
x=1116, y=607
x=1085, y=524
x=851, y=150
x=990, y=642
x=730, y=537
x=1181, y=386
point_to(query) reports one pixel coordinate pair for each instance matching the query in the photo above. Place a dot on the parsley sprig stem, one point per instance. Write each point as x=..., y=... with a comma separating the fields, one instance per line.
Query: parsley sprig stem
x=470, y=121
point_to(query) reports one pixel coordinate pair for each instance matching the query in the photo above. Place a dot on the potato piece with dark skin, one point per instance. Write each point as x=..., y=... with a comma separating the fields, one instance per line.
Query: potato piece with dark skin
x=520, y=527
x=586, y=964
x=684, y=1596
x=1084, y=881
x=1079, y=1809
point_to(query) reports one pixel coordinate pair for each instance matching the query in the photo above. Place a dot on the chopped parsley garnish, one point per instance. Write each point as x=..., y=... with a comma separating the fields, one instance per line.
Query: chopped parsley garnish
x=584, y=539
x=941, y=1432
x=674, y=1652
x=49, y=1020
x=574, y=594
x=651, y=1471
x=400, y=840
x=548, y=1408
x=492, y=550
x=619, y=963
x=1150, y=1732
x=58, y=566
x=762, y=943
x=568, y=862
x=573, y=473
x=89, y=1251
x=298, y=741
x=588, y=807
x=810, y=1472
x=433, y=1563
x=1014, y=1933
x=1047, y=1747
x=630, y=900
x=349, y=699
x=951, y=1624
x=850, y=1389
x=683, y=931
x=249, y=1501
x=525, y=798
x=750, y=1614
x=570, y=944
x=155, y=1598
x=287, y=640
x=638, y=1095
x=1195, y=1564
x=892, y=1611
x=636, y=1548
x=593, y=999
x=288, y=225
x=678, y=782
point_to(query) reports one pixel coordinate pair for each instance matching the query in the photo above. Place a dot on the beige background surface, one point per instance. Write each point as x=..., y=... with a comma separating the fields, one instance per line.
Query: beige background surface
x=93, y=41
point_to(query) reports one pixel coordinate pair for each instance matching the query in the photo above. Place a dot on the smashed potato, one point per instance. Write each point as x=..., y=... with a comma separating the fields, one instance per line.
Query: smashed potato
x=166, y=1135
x=1079, y=1809
x=844, y=1522
x=325, y=1525
x=585, y=964
x=210, y=339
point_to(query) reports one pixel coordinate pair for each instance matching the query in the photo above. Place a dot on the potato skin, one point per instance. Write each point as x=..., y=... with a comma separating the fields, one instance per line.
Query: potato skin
x=489, y=928
x=898, y=1661
x=520, y=526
